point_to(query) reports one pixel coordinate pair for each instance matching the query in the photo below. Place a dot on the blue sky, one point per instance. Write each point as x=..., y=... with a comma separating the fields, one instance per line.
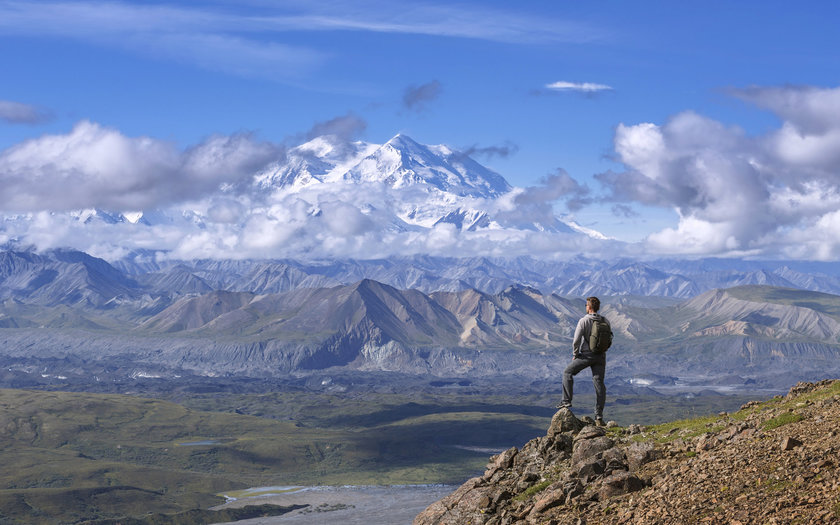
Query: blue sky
x=731, y=94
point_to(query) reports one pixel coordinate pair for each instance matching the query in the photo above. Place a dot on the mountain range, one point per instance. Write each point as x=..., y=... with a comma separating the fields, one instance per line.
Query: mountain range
x=70, y=313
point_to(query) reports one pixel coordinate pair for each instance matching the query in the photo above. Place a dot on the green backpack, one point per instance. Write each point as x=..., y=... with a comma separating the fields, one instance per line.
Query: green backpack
x=600, y=337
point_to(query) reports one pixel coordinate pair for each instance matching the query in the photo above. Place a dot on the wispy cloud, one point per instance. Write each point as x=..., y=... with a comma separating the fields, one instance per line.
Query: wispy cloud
x=18, y=113
x=580, y=87
x=345, y=128
x=503, y=151
x=252, y=40
x=417, y=98
x=458, y=20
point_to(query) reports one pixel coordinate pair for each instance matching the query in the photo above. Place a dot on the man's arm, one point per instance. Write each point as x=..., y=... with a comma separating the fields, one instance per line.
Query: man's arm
x=577, y=340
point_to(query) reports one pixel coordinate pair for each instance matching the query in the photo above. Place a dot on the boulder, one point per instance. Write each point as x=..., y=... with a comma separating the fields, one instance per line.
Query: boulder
x=550, y=498
x=500, y=462
x=556, y=494
x=587, y=448
x=590, y=432
x=619, y=483
x=564, y=421
x=706, y=442
x=615, y=455
x=789, y=443
x=640, y=453
x=590, y=469
x=557, y=444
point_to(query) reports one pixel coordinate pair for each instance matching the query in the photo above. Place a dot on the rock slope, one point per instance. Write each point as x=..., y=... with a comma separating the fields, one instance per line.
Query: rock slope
x=768, y=463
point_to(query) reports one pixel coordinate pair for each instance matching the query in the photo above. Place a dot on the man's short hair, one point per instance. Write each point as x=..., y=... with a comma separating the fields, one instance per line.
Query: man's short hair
x=593, y=303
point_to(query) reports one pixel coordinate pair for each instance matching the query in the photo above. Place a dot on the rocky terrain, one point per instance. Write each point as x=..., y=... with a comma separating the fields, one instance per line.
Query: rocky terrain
x=771, y=462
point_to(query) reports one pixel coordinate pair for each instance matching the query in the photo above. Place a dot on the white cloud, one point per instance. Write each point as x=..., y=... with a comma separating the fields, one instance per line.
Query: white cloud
x=226, y=210
x=230, y=54
x=536, y=204
x=93, y=166
x=817, y=151
x=813, y=110
x=584, y=87
x=736, y=194
x=345, y=219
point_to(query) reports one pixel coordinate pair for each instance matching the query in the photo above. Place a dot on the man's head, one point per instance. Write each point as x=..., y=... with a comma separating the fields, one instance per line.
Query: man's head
x=592, y=304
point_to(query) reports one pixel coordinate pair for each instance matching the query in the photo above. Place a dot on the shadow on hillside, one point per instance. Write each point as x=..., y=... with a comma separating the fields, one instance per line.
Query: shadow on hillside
x=410, y=410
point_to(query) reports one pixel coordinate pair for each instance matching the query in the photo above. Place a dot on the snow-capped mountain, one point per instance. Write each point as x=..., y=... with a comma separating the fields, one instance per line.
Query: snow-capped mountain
x=328, y=198
x=318, y=161
x=399, y=163
x=428, y=185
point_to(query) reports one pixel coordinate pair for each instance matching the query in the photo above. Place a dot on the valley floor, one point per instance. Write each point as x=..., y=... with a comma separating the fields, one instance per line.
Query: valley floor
x=348, y=505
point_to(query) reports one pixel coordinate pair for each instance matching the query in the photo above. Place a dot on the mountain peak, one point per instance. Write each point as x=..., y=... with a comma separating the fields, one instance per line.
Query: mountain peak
x=401, y=140
x=319, y=146
x=402, y=162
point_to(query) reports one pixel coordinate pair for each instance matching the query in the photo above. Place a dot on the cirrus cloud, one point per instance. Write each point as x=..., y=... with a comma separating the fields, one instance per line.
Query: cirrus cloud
x=253, y=40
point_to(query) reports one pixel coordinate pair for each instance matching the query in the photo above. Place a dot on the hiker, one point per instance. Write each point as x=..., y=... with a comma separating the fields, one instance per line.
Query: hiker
x=586, y=357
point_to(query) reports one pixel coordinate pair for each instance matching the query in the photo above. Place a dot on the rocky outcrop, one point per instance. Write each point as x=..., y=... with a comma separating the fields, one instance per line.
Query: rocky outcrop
x=771, y=462
x=575, y=461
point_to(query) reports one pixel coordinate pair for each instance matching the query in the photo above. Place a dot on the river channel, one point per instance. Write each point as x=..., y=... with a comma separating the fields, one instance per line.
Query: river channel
x=347, y=505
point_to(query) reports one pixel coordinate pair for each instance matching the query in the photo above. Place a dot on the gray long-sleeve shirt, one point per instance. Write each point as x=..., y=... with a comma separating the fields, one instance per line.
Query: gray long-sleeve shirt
x=580, y=342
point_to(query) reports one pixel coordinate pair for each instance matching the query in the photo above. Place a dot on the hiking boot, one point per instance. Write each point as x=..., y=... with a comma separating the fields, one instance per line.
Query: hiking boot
x=564, y=405
x=599, y=421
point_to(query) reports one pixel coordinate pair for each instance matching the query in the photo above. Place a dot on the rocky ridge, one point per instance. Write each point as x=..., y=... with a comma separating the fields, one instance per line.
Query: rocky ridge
x=770, y=462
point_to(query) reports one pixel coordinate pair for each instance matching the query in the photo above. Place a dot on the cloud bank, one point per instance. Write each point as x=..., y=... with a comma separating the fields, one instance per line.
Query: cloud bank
x=776, y=194
x=98, y=167
x=773, y=195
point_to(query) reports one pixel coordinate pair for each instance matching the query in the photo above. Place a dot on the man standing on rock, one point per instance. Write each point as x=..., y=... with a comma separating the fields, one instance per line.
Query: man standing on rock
x=586, y=357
